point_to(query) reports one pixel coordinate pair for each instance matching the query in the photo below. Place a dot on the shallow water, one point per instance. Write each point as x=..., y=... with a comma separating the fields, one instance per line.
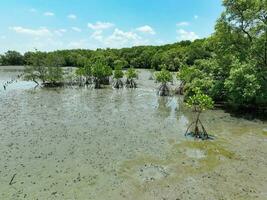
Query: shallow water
x=80, y=143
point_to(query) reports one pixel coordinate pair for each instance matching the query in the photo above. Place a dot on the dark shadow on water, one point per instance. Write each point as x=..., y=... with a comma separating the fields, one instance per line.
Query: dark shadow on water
x=248, y=114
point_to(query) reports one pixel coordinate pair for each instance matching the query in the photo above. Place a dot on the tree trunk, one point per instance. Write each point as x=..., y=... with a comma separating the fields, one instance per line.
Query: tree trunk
x=197, y=132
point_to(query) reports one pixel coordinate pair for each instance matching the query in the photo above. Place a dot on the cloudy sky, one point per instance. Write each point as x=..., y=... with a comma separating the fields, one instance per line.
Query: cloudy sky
x=66, y=24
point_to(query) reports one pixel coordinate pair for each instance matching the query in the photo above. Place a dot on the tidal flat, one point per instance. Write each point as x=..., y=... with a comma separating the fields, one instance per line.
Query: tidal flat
x=81, y=143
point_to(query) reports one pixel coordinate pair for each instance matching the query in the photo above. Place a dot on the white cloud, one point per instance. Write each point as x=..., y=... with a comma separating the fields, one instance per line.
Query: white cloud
x=117, y=39
x=120, y=38
x=100, y=25
x=196, y=16
x=60, y=32
x=186, y=35
x=119, y=35
x=49, y=14
x=76, y=29
x=97, y=35
x=182, y=24
x=72, y=16
x=32, y=32
x=146, y=29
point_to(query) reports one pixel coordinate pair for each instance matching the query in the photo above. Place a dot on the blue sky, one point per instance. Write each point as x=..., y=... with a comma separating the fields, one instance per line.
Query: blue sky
x=66, y=24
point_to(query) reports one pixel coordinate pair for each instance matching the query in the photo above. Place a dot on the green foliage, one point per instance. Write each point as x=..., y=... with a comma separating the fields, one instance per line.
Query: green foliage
x=100, y=70
x=12, y=58
x=118, y=73
x=199, y=101
x=164, y=76
x=203, y=75
x=35, y=69
x=172, y=56
x=240, y=45
x=131, y=73
x=188, y=74
x=80, y=72
x=243, y=85
x=87, y=68
x=120, y=63
x=54, y=69
x=44, y=67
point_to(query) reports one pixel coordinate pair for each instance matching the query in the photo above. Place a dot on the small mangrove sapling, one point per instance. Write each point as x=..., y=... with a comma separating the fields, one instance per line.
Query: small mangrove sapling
x=99, y=71
x=107, y=74
x=164, y=77
x=131, y=75
x=80, y=73
x=199, y=102
x=118, y=75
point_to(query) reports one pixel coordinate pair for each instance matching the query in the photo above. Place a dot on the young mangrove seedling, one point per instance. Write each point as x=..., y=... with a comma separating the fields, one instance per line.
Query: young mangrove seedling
x=131, y=75
x=164, y=77
x=118, y=75
x=199, y=102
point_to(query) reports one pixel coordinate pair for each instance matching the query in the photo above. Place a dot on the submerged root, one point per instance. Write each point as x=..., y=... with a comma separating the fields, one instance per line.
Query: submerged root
x=164, y=90
x=130, y=83
x=88, y=80
x=118, y=84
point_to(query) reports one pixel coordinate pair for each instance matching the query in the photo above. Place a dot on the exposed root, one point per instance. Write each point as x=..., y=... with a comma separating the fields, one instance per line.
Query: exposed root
x=53, y=84
x=164, y=90
x=180, y=89
x=117, y=84
x=130, y=83
x=97, y=83
x=198, y=132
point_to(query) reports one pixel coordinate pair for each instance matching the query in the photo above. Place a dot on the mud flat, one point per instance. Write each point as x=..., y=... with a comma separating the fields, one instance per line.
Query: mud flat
x=74, y=143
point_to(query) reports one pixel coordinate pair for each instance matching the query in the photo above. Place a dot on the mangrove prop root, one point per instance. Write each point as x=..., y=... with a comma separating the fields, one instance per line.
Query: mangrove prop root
x=186, y=133
x=130, y=83
x=97, y=83
x=164, y=90
x=198, y=132
x=118, y=84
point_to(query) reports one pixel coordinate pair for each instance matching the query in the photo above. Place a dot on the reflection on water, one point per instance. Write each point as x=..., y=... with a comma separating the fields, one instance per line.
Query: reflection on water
x=117, y=144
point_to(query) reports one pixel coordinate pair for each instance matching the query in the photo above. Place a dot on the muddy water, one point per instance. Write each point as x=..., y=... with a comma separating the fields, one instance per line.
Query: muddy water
x=79, y=143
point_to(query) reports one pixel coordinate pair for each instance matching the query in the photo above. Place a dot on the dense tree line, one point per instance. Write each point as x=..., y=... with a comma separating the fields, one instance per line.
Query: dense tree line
x=172, y=56
x=230, y=66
